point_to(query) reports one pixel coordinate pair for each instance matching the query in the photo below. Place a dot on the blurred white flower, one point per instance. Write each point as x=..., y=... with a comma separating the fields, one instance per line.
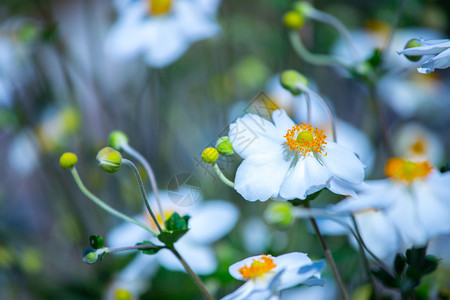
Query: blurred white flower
x=160, y=30
x=210, y=221
x=290, y=160
x=414, y=203
x=266, y=276
x=439, y=51
x=326, y=292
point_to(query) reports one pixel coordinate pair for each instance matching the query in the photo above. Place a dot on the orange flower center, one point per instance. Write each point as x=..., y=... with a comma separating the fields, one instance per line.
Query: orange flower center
x=303, y=138
x=258, y=267
x=407, y=171
x=159, y=7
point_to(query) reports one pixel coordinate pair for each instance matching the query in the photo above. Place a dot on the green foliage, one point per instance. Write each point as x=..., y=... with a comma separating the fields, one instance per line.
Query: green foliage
x=149, y=250
x=176, y=227
x=96, y=241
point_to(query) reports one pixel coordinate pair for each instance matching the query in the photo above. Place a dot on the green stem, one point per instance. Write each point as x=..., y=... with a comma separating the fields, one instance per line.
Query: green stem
x=133, y=153
x=222, y=177
x=105, y=206
x=136, y=247
x=191, y=272
x=141, y=188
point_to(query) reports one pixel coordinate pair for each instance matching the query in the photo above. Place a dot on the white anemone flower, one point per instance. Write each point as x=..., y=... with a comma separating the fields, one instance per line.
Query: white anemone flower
x=210, y=220
x=414, y=202
x=266, y=276
x=160, y=30
x=439, y=51
x=288, y=160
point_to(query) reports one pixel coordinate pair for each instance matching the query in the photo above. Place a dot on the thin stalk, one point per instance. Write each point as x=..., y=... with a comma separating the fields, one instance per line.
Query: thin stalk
x=194, y=276
x=315, y=59
x=308, y=107
x=222, y=177
x=130, y=151
x=141, y=188
x=136, y=247
x=105, y=206
x=328, y=256
x=379, y=109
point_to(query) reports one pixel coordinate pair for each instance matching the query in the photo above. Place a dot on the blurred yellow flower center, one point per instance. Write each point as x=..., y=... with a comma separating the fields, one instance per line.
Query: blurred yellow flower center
x=258, y=267
x=419, y=146
x=304, y=139
x=407, y=171
x=167, y=214
x=122, y=294
x=159, y=7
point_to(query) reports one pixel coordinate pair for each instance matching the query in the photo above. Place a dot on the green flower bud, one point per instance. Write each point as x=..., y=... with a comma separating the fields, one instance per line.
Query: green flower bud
x=279, y=213
x=90, y=256
x=109, y=160
x=117, y=139
x=68, y=160
x=210, y=155
x=224, y=146
x=293, y=20
x=412, y=44
x=290, y=79
x=303, y=8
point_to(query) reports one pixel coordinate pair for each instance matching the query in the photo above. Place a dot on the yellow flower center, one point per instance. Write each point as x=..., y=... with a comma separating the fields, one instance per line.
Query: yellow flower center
x=122, y=294
x=159, y=7
x=258, y=267
x=167, y=214
x=304, y=139
x=419, y=146
x=407, y=171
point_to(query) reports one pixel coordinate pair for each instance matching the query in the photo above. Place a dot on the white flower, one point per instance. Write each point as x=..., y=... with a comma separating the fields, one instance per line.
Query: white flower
x=414, y=202
x=161, y=30
x=210, y=221
x=267, y=276
x=290, y=160
x=439, y=51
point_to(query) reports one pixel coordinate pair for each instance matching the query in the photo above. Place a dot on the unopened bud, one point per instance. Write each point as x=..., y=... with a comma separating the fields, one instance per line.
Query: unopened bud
x=293, y=19
x=290, y=80
x=210, y=155
x=117, y=139
x=224, y=146
x=90, y=256
x=303, y=8
x=109, y=160
x=412, y=44
x=279, y=213
x=68, y=160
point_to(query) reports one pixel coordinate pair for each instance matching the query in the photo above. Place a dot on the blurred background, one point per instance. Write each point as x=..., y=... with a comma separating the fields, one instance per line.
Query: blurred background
x=60, y=91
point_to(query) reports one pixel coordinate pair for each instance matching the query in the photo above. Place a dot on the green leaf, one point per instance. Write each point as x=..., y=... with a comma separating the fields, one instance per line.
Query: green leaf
x=387, y=279
x=169, y=238
x=375, y=59
x=96, y=242
x=175, y=222
x=149, y=251
x=429, y=265
x=399, y=264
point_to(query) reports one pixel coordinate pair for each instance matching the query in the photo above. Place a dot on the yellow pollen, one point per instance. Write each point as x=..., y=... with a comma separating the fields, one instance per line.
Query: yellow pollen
x=258, y=267
x=167, y=214
x=304, y=139
x=407, y=171
x=159, y=7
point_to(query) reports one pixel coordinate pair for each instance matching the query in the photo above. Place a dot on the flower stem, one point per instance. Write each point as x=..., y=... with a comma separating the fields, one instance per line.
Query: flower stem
x=194, y=276
x=105, y=206
x=328, y=256
x=132, y=152
x=308, y=107
x=141, y=188
x=222, y=177
x=136, y=247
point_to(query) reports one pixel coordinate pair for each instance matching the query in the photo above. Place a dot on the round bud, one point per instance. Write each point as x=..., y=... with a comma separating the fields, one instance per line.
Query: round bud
x=109, y=159
x=303, y=8
x=290, y=79
x=210, y=155
x=279, y=213
x=117, y=139
x=68, y=160
x=412, y=44
x=293, y=20
x=90, y=256
x=224, y=146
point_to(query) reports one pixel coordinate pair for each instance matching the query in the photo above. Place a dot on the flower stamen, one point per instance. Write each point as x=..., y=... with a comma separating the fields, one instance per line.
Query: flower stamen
x=399, y=169
x=159, y=7
x=258, y=267
x=303, y=138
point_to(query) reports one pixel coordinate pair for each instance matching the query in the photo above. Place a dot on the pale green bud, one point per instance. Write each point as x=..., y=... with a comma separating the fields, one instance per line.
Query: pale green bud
x=117, y=139
x=290, y=79
x=303, y=8
x=90, y=256
x=293, y=20
x=210, y=155
x=109, y=160
x=412, y=44
x=68, y=160
x=279, y=213
x=224, y=146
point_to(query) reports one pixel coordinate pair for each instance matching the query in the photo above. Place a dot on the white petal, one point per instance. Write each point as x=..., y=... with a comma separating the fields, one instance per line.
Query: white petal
x=259, y=177
x=430, y=47
x=307, y=177
x=343, y=163
x=342, y=187
x=292, y=260
x=252, y=134
x=293, y=276
x=282, y=121
x=127, y=234
x=141, y=267
x=201, y=258
x=241, y=293
x=212, y=220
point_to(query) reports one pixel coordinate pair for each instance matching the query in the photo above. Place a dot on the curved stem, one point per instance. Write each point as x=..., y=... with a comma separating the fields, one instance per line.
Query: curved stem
x=194, y=276
x=132, y=152
x=222, y=177
x=316, y=59
x=136, y=247
x=105, y=206
x=308, y=107
x=141, y=188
